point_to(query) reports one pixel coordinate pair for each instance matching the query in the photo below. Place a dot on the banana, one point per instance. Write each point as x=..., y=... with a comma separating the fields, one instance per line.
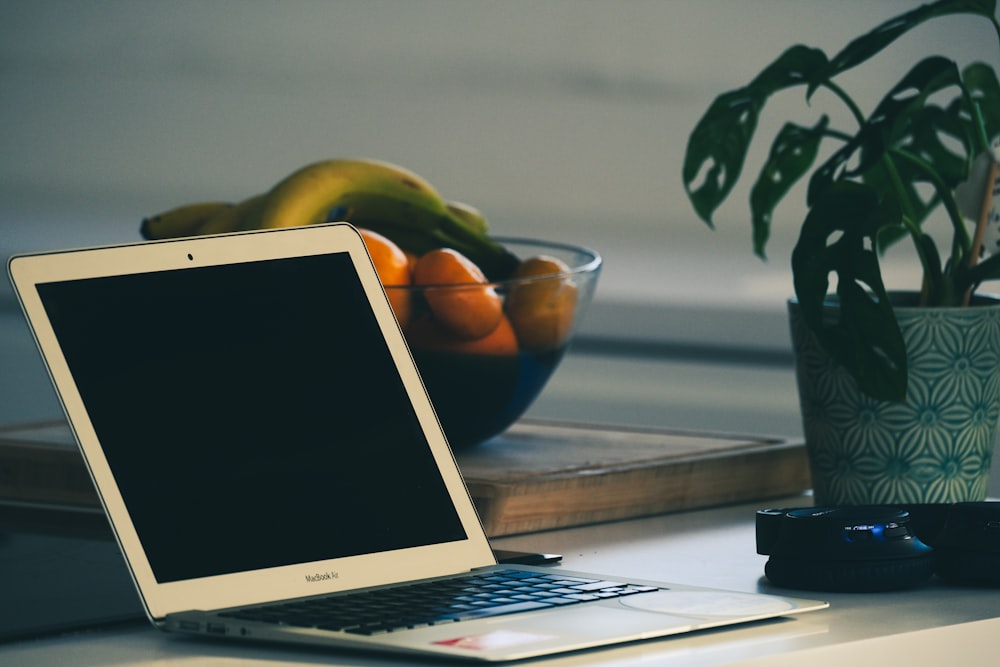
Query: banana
x=412, y=228
x=470, y=214
x=383, y=197
x=232, y=218
x=180, y=221
x=310, y=193
x=378, y=195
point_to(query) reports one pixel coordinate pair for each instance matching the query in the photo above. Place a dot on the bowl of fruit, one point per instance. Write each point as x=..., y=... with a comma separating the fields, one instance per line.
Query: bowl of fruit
x=486, y=348
x=487, y=318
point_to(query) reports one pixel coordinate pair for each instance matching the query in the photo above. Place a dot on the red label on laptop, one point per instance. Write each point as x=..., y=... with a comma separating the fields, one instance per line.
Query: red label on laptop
x=493, y=640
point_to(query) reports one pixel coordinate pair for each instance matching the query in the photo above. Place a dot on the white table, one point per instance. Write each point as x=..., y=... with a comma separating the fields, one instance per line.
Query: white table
x=933, y=625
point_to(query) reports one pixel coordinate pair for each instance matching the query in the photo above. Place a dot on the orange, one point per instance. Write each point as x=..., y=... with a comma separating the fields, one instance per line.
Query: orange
x=468, y=307
x=425, y=334
x=542, y=309
x=393, y=269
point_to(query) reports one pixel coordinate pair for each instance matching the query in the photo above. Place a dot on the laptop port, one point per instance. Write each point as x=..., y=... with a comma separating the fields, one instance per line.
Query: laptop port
x=215, y=629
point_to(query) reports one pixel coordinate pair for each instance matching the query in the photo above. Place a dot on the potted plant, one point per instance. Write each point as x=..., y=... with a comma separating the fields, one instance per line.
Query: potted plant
x=898, y=168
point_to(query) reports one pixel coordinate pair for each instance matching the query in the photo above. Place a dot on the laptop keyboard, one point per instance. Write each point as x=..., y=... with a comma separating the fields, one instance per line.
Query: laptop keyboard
x=437, y=602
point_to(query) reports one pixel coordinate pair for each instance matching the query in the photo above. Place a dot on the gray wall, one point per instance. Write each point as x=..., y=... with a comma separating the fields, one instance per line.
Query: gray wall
x=560, y=119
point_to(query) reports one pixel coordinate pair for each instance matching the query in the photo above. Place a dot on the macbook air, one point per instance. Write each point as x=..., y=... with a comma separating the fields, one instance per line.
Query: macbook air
x=273, y=469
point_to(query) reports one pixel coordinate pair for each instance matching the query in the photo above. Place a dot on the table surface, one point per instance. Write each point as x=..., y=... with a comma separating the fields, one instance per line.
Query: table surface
x=713, y=547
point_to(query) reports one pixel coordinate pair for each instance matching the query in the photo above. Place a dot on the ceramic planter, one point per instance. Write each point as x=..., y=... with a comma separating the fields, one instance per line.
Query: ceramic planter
x=934, y=447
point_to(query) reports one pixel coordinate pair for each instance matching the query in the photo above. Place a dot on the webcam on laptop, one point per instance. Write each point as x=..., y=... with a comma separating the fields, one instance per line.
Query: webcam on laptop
x=871, y=548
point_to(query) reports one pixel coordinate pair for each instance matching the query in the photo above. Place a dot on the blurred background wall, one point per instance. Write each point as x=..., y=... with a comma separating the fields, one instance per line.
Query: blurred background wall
x=561, y=119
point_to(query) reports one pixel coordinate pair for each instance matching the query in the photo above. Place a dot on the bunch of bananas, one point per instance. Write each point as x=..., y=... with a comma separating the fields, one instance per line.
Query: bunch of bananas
x=376, y=195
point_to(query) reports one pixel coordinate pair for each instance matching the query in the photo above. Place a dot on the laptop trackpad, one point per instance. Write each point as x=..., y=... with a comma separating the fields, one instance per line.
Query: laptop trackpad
x=640, y=616
x=709, y=603
x=597, y=621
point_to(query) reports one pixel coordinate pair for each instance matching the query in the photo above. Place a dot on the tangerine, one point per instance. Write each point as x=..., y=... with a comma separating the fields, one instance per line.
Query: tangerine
x=542, y=308
x=393, y=269
x=425, y=333
x=458, y=294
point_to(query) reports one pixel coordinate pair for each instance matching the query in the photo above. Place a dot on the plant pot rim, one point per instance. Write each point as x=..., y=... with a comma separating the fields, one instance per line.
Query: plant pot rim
x=904, y=300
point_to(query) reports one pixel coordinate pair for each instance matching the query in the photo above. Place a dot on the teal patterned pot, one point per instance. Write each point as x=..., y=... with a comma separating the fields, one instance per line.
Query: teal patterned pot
x=934, y=447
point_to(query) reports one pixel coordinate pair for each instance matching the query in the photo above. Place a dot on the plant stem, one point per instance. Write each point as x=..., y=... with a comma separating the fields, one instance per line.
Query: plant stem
x=837, y=134
x=887, y=163
x=977, y=117
x=897, y=183
x=847, y=100
x=963, y=242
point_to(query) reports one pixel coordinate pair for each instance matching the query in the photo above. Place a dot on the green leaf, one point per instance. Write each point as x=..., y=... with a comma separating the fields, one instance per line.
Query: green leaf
x=925, y=133
x=870, y=138
x=938, y=290
x=981, y=82
x=903, y=119
x=927, y=77
x=717, y=147
x=916, y=126
x=798, y=65
x=832, y=238
x=916, y=202
x=792, y=153
x=872, y=349
x=869, y=44
x=838, y=237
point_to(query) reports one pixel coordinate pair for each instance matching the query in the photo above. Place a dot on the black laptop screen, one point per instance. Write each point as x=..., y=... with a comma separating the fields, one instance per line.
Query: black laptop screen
x=251, y=415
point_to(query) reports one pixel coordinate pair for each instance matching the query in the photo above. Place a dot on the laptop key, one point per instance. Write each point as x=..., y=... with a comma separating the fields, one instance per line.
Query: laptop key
x=597, y=585
x=498, y=610
x=582, y=597
x=447, y=601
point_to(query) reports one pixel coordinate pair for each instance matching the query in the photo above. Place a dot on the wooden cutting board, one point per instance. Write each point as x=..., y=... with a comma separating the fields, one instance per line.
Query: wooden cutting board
x=536, y=476
x=539, y=476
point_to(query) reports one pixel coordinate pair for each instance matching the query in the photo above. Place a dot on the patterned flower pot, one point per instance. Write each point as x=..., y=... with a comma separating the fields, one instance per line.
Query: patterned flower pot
x=934, y=447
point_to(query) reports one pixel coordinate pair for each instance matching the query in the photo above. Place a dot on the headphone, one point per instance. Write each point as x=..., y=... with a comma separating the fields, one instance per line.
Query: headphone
x=867, y=548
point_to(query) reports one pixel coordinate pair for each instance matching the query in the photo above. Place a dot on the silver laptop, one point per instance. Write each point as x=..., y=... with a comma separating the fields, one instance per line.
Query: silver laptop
x=273, y=468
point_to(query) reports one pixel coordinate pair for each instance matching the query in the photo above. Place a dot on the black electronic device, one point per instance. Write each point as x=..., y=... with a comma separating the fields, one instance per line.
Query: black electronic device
x=880, y=547
x=967, y=544
x=868, y=548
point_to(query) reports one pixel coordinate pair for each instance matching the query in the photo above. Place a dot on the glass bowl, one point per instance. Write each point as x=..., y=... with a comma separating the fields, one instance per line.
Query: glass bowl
x=480, y=386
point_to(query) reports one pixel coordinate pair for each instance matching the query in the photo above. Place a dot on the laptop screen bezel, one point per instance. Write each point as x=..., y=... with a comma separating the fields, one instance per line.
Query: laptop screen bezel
x=229, y=590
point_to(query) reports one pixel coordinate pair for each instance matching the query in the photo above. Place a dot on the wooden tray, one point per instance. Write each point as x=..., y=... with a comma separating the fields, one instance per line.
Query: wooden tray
x=536, y=476
x=539, y=476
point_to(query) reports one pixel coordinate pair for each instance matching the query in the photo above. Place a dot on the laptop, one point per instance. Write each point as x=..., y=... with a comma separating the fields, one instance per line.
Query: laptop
x=272, y=466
